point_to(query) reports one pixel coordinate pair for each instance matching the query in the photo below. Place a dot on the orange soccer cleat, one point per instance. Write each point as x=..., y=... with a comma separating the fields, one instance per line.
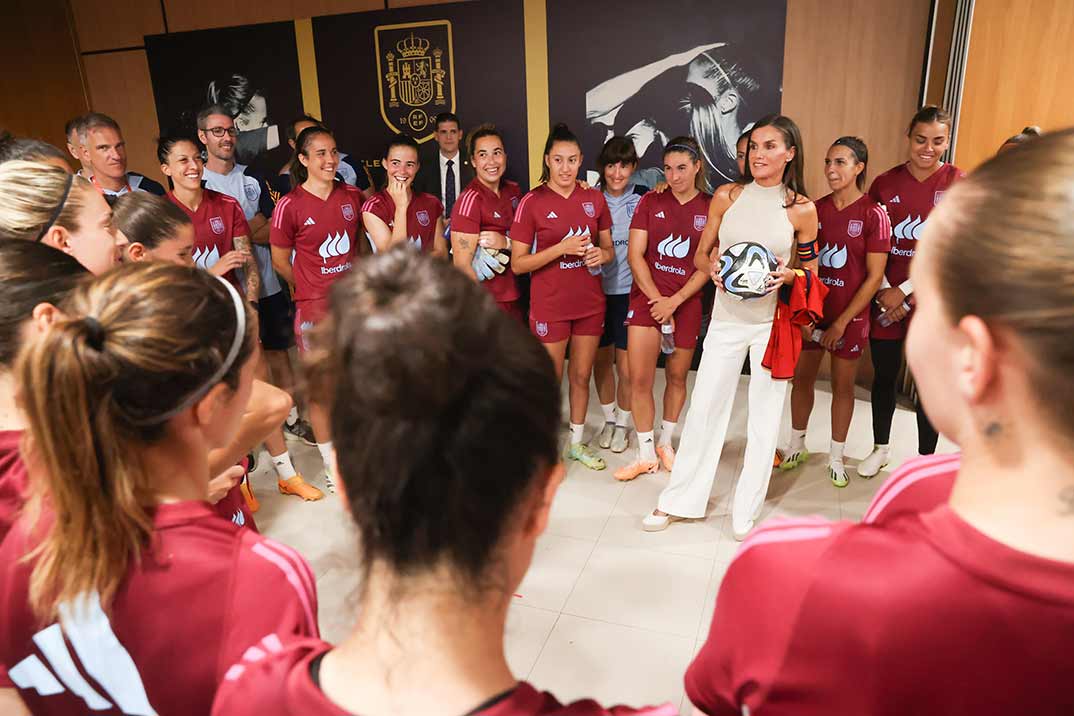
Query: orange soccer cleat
x=299, y=488
x=634, y=469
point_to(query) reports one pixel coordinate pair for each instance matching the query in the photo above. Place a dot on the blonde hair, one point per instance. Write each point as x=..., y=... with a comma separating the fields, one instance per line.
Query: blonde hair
x=97, y=388
x=32, y=194
x=997, y=234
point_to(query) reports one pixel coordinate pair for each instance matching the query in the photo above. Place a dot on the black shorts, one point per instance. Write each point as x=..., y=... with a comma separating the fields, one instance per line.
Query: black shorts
x=276, y=317
x=615, y=312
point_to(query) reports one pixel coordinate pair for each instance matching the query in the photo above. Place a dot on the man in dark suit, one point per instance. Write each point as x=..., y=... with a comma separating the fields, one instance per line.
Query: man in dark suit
x=445, y=169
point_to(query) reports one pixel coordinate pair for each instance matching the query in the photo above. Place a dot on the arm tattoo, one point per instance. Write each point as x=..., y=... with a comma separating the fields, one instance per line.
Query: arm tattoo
x=253, y=277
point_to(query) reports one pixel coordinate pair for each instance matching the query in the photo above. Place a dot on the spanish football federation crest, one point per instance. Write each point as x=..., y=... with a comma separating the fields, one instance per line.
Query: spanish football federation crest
x=416, y=68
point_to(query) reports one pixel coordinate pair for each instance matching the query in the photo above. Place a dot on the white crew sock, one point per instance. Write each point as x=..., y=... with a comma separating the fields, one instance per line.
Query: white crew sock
x=327, y=455
x=667, y=429
x=836, y=451
x=292, y=417
x=284, y=467
x=623, y=419
x=797, y=441
x=646, y=449
x=881, y=448
x=576, y=433
x=609, y=412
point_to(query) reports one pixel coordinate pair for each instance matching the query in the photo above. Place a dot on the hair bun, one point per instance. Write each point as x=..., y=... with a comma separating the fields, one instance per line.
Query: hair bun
x=95, y=333
x=1032, y=130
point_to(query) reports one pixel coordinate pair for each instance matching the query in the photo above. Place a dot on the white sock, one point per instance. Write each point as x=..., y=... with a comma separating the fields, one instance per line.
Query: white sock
x=646, y=449
x=284, y=467
x=609, y=412
x=836, y=451
x=667, y=429
x=326, y=454
x=292, y=417
x=623, y=419
x=797, y=441
x=576, y=433
x=881, y=448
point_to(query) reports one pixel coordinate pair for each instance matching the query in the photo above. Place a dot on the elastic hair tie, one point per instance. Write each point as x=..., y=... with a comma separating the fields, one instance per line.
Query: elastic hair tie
x=59, y=208
x=225, y=366
x=95, y=333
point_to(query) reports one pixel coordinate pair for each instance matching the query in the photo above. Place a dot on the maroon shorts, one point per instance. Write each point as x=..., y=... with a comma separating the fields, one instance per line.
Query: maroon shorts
x=557, y=331
x=511, y=309
x=307, y=315
x=855, y=338
x=687, y=318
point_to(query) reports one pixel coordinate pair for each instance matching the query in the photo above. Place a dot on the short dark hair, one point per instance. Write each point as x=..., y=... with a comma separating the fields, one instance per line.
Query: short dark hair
x=420, y=367
x=617, y=150
x=447, y=117
x=291, y=134
x=95, y=120
x=31, y=150
x=209, y=110
x=147, y=219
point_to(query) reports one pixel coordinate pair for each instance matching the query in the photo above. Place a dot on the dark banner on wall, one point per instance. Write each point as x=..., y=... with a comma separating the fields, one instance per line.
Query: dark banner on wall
x=655, y=70
x=392, y=71
x=251, y=70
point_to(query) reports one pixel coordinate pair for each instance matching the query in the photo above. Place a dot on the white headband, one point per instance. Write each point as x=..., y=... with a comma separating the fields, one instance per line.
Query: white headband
x=225, y=366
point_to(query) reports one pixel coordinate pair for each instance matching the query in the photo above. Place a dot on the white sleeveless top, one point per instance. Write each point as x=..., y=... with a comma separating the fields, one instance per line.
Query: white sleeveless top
x=757, y=215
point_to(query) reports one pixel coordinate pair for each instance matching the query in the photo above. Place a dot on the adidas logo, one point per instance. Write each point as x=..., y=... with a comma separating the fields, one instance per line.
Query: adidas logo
x=206, y=259
x=895, y=200
x=552, y=215
x=496, y=215
x=334, y=246
x=309, y=222
x=909, y=228
x=833, y=257
x=99, y=653
x=674, y=246
x=659, y=215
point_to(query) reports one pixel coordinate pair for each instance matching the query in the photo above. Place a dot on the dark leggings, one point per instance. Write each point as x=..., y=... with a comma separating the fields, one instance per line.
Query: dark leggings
x=887, y=360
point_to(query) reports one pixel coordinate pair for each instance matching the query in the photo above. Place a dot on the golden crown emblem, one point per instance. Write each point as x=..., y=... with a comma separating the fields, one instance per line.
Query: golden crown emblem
x=412, y=46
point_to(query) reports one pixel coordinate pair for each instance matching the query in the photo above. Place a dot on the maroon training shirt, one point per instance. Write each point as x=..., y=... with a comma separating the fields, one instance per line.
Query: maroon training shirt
x=421, y=215
x=563, y=289
x=480, y=209
x=203, y=594
x=911, y=612
x=844, y=238
x=276, y=679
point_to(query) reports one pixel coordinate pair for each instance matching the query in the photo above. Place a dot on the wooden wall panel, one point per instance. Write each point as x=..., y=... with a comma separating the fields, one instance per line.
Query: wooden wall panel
x=202, y=14
x=1018, y=73
x=853, y=67
x=120, y=87
x=109, y=24
x=39, y=90
x=943, y=35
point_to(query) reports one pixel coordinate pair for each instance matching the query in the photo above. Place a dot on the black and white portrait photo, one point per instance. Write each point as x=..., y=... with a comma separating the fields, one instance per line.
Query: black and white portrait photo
x=718, y=71
x=251, y=71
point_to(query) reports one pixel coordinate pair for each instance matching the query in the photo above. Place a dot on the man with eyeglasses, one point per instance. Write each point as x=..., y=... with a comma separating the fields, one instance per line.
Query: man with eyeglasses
x=217, y=131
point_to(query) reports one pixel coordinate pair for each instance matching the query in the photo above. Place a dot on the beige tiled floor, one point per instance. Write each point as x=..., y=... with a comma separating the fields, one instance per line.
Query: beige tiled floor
x=606, y=610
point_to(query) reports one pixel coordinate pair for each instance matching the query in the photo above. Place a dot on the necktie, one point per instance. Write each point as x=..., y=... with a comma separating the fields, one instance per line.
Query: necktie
x=449, y=187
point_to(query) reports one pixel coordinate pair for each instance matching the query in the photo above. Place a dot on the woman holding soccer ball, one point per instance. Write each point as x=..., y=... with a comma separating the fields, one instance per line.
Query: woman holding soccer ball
x=769, y=208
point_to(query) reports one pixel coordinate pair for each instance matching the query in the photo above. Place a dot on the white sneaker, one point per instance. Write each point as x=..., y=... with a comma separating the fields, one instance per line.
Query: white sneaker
x=872, y=465
x=620, y=439
x=741, y=531
x=605, y=439
x=654, y=522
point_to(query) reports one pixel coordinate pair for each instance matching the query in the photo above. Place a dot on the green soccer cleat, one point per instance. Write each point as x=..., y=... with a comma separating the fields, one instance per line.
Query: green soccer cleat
x=585, y=455
x=794, y=460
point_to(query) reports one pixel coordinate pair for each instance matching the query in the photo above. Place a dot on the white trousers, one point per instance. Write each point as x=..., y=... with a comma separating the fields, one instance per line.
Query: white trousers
x=703, y=436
